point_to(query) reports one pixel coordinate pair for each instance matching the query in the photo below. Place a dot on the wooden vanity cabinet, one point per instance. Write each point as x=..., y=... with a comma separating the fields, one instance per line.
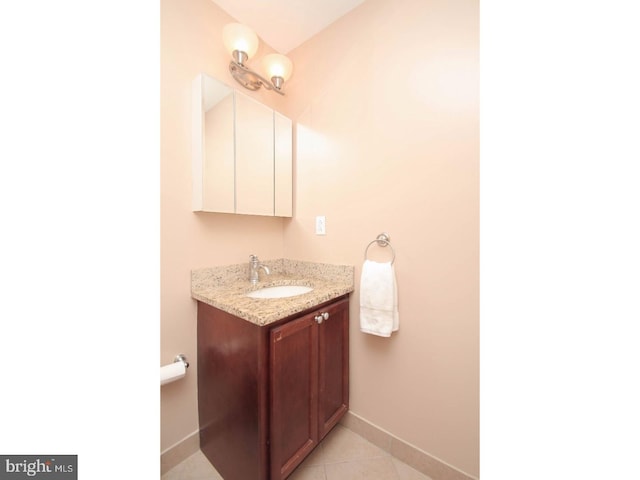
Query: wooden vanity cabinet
x=268, y=395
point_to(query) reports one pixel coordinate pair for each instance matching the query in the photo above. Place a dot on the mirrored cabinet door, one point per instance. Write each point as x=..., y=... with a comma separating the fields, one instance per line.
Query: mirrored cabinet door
x=213, y=148
x=283, y=164
x=254, y=157
x=218, y=169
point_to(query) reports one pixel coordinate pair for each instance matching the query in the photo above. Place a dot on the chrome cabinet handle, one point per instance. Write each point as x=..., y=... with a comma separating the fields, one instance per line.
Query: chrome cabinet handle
x=320, y=318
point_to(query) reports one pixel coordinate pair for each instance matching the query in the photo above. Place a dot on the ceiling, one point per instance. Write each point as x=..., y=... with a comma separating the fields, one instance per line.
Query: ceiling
x=285, y=24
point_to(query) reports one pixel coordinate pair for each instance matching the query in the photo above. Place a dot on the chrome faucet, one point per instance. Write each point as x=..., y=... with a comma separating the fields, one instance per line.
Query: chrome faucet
x=254, y=266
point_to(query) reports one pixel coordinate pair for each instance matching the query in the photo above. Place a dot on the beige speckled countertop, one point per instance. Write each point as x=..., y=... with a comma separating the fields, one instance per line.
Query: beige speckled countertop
x=225, y=288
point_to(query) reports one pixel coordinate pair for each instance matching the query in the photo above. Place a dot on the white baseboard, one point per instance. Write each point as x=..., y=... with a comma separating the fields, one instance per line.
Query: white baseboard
x=411, y=455
x=414, y=457
x=180, y=451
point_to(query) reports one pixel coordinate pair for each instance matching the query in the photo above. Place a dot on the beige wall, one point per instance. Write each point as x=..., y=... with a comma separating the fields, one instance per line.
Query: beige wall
x=191, y=43
x=386, y=102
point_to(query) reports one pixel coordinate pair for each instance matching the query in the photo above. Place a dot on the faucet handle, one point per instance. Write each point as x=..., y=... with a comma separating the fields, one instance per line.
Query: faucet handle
x=253, y=258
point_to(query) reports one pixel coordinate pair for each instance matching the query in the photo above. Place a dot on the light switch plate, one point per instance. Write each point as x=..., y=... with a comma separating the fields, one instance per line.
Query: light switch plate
x=321, y=225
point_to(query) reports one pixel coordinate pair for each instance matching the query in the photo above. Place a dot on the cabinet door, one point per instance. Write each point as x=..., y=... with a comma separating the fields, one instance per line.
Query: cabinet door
x=212, y=146
x=333, y=340
x=218, y=161
x=283, y=164
x=294, y=394
x=254, y=157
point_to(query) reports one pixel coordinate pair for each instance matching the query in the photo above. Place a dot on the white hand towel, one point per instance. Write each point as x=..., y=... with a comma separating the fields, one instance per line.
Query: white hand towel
x=378, y=299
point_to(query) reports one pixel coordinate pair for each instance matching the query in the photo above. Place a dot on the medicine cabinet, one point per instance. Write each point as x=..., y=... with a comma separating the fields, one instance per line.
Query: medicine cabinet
x=242, y=153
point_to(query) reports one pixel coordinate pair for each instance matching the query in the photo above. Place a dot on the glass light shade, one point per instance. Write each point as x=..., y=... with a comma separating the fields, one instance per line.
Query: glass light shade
x=277, y=65
x=240, y=37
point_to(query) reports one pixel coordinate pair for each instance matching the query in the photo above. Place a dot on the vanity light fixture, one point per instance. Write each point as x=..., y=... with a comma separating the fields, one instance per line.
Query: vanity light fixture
x=243, y=43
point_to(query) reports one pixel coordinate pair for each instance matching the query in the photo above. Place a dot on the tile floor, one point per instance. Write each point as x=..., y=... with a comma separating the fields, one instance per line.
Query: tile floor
x=342, y=455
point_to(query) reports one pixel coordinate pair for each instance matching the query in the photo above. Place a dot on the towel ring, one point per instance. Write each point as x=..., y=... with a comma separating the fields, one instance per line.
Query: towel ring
x=382, y=240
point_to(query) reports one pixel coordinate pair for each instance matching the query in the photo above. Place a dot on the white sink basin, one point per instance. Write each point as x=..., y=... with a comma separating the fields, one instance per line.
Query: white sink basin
x=281, y=291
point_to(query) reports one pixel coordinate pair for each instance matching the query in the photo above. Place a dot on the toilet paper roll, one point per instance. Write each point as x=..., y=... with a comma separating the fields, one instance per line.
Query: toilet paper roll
x=171, y=373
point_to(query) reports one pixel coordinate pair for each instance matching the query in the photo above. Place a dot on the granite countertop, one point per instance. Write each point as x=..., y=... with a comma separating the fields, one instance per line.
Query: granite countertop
x=225, y=288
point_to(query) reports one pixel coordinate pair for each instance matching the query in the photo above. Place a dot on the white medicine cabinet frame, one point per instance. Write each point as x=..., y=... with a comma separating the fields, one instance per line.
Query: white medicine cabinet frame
x=241, y=153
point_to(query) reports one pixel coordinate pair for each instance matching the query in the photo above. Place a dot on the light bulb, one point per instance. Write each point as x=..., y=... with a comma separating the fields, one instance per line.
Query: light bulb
x=277, y=65
x=240, y=37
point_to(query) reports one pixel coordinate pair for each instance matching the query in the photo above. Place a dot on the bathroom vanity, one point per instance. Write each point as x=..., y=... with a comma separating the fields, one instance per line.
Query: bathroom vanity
x=271, y=386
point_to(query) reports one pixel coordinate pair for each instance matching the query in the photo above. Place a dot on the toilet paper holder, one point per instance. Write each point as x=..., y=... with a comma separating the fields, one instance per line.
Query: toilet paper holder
x=181, y=358
x=175, y=370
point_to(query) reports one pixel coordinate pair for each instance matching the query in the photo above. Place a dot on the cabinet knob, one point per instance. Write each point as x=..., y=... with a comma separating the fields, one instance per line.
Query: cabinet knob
x=325, y=315
x=319, y=319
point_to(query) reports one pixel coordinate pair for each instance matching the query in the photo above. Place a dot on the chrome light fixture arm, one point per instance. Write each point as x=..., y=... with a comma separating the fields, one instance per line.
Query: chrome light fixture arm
x=250, y=79
x=242, y=43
